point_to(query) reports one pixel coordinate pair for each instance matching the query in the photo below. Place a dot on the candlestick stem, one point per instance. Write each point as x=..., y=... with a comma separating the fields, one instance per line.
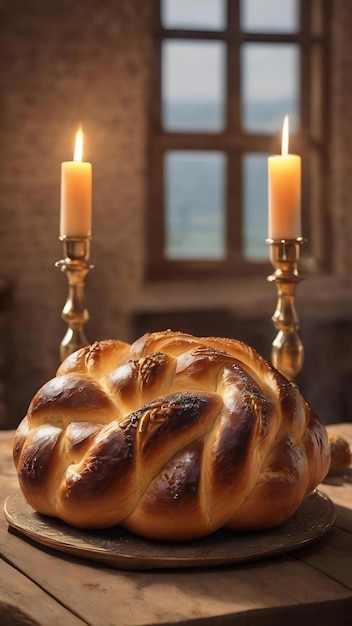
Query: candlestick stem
x=75, y=265
x=287, y=349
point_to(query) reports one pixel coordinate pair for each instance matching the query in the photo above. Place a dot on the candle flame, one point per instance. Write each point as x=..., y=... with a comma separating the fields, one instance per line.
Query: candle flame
x=284, y=141
x=78, y=153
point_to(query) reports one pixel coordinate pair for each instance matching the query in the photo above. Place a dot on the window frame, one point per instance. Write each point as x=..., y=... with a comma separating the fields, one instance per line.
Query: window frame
x=234, y=142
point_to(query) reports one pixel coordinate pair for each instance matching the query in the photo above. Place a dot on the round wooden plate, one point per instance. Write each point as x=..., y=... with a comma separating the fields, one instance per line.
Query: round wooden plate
x=124, y=550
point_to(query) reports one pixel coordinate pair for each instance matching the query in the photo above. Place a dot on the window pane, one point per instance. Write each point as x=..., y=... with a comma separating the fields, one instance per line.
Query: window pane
x=193, y=85
x=255, y=206
x=195, y=206
x=270, y=86
x=274, y=16
x=193, y=14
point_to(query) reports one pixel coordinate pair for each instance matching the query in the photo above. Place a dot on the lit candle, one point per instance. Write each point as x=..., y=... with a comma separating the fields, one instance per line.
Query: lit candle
x=76, y=194
x=284, y=181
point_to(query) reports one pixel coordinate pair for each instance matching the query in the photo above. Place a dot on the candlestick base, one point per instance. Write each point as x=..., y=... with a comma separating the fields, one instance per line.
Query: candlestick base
x=75, y=265
x=287, y=349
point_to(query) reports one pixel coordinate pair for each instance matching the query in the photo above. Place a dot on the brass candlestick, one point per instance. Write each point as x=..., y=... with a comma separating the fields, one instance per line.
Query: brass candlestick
x=287, y=349
x=75, y=265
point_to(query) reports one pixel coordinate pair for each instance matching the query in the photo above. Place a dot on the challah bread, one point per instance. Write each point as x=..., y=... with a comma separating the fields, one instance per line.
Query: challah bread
x=172, y=437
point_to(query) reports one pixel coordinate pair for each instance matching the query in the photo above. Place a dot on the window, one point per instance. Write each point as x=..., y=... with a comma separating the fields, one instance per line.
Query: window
x=226, y=72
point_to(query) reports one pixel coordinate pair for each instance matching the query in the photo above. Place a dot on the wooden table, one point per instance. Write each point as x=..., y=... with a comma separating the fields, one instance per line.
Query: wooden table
x=311, y=585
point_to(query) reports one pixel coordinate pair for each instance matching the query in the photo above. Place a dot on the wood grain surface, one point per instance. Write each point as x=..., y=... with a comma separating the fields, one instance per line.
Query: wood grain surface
x=311, y=584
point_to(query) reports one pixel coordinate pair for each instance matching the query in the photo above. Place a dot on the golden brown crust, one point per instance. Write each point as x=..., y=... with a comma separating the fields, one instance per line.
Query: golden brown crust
x=341, y=456
x=172, y=437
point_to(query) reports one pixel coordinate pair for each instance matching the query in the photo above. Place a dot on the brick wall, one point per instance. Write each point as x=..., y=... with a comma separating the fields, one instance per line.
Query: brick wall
x=61, y=64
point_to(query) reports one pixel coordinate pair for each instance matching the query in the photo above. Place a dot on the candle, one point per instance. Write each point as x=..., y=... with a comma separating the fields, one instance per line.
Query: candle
x=76, y=194
x=284, y=182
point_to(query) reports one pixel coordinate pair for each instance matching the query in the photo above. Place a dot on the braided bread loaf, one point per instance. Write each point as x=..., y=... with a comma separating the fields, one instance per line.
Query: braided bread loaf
x=171, y=437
